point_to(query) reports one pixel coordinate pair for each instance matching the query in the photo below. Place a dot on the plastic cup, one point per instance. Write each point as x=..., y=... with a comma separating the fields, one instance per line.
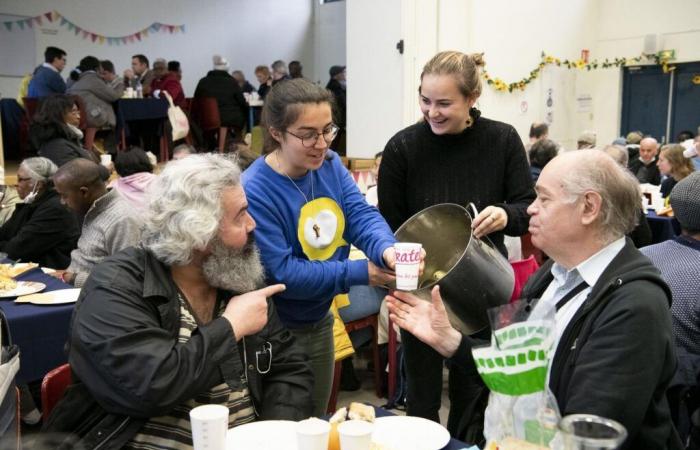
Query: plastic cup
x=209, y=427
x=407, y=265
x=590, y=432
x=129, y=93
x=355, y=435
x=106, y=160
x=312, y=434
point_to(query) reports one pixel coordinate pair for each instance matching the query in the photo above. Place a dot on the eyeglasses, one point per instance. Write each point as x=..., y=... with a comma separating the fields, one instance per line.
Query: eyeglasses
x=310, y=138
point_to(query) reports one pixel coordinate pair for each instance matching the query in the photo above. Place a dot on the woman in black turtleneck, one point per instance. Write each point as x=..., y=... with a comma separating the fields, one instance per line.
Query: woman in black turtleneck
x=454, y=156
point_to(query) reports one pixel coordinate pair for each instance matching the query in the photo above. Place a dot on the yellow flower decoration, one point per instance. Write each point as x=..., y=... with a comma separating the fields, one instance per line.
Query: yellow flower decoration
x=320, y=229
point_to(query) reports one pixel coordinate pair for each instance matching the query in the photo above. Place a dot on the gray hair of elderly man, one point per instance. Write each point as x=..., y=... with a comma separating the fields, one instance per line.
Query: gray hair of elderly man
x=39, y=168
x=595, y=171
x=185, y=206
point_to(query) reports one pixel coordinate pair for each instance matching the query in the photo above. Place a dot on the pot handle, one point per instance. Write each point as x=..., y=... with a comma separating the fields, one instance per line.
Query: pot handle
x=472, y=206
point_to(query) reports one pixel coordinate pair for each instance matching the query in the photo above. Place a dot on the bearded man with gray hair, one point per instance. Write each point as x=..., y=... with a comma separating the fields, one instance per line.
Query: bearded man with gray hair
x=181, y=321
x=613, y=344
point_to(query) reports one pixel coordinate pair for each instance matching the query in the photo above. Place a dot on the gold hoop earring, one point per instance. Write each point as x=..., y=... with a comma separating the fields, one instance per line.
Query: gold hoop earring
x=470, y=121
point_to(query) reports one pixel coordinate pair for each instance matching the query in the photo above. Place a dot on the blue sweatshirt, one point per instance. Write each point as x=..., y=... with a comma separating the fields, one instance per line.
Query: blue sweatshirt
x=45, y=81
x=300, y=255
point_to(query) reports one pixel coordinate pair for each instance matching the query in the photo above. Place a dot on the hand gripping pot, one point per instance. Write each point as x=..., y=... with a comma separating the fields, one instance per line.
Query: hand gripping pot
x=473, y=276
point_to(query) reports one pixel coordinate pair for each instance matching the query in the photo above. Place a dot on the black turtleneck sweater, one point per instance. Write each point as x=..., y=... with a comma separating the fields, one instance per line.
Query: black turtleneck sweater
x=485, y=164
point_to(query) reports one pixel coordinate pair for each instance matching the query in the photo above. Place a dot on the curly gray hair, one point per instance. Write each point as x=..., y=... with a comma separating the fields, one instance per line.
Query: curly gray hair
x=185, y=206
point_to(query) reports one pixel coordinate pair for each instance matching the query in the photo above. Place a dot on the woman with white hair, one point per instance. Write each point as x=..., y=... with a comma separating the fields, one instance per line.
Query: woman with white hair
x=41, y=229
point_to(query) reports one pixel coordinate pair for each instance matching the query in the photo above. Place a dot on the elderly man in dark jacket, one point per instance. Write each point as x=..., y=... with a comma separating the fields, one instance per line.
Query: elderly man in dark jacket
x=613, y=348
x=180, y=322
x=233, y=108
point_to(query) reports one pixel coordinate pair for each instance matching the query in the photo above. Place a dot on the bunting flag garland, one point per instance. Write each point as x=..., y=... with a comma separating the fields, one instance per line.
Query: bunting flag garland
x=501, y=86
x=58, y=20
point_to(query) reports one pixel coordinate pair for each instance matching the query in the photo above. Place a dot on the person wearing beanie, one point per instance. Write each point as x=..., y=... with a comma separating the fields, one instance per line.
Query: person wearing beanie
x=233, y=109
x=678, y=260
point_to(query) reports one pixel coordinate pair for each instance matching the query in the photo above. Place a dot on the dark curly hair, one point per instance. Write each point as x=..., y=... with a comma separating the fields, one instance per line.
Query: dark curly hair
x=49, y=122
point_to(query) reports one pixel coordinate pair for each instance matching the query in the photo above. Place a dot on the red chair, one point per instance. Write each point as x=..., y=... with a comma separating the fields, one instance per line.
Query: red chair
x=53, y=387
x=31, y=105
x=365, y=322
x=205, y=113
x=522, y=269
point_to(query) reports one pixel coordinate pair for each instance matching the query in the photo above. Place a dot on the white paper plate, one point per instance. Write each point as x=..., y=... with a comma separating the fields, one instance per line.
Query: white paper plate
x=58, y=297
x=23, y=288
x=409, y=433
x=395, y=432
x=264, y=435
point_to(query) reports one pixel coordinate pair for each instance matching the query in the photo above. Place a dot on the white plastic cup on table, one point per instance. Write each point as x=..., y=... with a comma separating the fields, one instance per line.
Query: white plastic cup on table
x=129, y=93
x=407, y=265
x=209, y=427
x=312, y=434
x=355, y=435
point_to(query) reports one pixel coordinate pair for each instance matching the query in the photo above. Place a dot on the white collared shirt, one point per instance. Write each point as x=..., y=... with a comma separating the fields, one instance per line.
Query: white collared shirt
x=50, y=66
x=589, y=271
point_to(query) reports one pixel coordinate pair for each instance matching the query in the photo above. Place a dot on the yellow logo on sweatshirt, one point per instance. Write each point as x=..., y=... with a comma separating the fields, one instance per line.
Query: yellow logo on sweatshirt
x=321, y=227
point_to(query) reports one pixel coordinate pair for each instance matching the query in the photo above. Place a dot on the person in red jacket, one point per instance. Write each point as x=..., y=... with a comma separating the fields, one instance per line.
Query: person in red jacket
x=166, y=81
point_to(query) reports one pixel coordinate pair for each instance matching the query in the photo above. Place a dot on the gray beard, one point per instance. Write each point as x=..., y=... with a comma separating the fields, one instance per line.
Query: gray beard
x=237, y=270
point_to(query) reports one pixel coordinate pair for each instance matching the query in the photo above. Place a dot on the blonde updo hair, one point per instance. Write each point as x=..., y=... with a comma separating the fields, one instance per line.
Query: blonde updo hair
x=465, y=69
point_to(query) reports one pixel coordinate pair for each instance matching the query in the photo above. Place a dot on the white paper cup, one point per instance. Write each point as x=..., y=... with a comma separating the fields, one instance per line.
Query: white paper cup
x=129, y=92
x=407, y=265
x=209, y=427
x=312, y=434
x=106, y=160
x=355, y=435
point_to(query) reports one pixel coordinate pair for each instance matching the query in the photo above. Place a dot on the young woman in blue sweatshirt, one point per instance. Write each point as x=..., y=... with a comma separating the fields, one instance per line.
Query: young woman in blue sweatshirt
x=308, y=211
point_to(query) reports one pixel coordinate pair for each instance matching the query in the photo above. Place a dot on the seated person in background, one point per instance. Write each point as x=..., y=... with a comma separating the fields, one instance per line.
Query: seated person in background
x=139, y=74
x=219, y=84
x=644, y=167
x=538, y=131
x=295, y=70
x=641, y=235
x=371, y=195
x=586, y=140
x=135, y=176
x=608, y=359
x=541, y=152
x=245, y=86
x=174, y=67
x=183, y=151
x=262, y=73
x=633, y=139
x=279, y=72
x=678, y=260
x=165, y=327
x=674, y=166
x=166, y=81
x=109, y=222
x=54, y=134
x=8, y=199
x=47, y=78
x=110, y=76
x=97, y=95
x=41, y=229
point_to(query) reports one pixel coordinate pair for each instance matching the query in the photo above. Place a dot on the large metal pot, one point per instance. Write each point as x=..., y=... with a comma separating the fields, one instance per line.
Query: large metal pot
x=472, y=275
